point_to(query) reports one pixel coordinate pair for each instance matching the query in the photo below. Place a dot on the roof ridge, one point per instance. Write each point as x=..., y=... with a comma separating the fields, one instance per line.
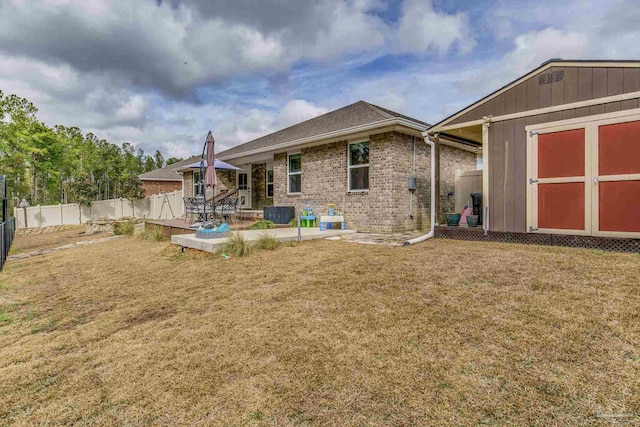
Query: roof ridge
x=302, y=122
x=377, y=109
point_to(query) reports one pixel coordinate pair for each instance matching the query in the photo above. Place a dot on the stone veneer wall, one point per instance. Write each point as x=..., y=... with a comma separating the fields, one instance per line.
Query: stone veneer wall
x=386, y=206
x=259, y=197
x=223, y=182
x=452, y=159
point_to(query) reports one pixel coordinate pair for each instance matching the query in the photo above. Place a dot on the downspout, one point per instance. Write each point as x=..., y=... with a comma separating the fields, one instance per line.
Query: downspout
x=433, y=197
x=413, y=173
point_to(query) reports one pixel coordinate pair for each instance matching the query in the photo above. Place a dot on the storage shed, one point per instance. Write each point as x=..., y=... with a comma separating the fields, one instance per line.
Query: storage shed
x=560, y=150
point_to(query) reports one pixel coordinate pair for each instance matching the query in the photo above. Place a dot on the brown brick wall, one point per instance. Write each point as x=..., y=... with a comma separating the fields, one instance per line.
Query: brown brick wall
x=388, y=206
x=158, y=187
x=259, y=187
x=226, y=180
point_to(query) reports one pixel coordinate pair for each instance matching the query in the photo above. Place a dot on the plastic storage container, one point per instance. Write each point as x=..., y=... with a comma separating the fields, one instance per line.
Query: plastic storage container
x=476, y=202
x=279, y=214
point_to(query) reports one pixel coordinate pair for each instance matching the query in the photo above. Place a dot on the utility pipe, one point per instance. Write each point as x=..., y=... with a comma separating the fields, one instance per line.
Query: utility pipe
x=413, y=173
x=433, y=197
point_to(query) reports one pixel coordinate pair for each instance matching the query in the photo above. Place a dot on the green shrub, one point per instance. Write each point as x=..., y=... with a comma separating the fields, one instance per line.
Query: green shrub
x=293, y=222
x=261, y=224
x=266, y=241
x=125, y=228
x=236, y=246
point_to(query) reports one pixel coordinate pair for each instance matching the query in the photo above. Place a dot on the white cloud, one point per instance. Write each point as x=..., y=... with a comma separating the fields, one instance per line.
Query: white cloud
x=255, y=123
x=297, y=110
x=173, y=48
x=139, y=72
x=422, y=28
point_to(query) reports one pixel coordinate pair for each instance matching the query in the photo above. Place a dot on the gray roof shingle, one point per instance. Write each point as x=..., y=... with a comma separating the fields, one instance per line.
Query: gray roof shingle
x=357, y=114
x=170, y=172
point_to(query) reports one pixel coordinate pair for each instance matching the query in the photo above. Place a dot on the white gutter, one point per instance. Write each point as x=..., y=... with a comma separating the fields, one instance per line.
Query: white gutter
x=328, y=135
x=176, y=179
x=431, y=232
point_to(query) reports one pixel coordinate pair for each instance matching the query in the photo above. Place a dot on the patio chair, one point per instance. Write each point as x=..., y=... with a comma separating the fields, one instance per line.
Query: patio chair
x=189, y=208
x=196, y=208
x=226, y=207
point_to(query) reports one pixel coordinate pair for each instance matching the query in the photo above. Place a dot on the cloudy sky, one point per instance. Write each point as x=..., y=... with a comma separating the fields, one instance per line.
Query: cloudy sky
x=160, y=74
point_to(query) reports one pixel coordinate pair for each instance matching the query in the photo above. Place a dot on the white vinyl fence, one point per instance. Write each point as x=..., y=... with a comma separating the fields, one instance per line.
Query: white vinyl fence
x=158, y=206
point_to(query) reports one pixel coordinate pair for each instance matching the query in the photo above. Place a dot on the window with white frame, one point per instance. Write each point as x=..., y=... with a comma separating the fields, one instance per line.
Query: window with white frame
x=294, y=170
x=269, y=180
x=359, y=166
x=198, y=185
x=243, y=181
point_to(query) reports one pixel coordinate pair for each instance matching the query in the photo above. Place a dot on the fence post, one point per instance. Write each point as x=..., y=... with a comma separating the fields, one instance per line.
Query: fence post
x=2, y=252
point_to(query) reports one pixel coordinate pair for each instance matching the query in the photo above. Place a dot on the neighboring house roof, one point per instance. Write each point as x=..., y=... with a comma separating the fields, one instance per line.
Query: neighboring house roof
x=544, y=66
x=352, y=117
x=218, y=165
x=170, y=172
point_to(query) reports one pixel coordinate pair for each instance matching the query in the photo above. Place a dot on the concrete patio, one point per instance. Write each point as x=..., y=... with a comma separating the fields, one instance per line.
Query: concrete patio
x=280, y=234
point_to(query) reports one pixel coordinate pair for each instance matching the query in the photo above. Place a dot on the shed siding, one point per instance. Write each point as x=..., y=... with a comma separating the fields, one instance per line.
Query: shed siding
x=578, y=84
x=507, y=139
x=507, y=199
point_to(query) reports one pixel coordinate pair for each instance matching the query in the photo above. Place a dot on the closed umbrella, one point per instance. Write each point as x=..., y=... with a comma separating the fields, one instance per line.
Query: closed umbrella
x=210, y=179
x=207, y=169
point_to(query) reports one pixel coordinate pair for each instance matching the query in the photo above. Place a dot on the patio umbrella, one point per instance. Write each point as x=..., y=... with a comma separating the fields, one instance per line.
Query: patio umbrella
x=210, y=179
x=208, y=171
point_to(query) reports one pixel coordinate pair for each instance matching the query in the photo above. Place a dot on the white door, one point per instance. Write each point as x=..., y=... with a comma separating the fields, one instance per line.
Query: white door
x=243, y=184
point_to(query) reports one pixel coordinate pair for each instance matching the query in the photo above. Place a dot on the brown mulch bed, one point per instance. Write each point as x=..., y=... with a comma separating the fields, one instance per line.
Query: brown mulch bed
x=33, y=239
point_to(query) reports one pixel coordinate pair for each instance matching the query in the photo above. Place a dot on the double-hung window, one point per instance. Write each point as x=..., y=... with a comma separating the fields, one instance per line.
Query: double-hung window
x=269, y=180
x=294, y=171
x=359, y=166
x=198, y=184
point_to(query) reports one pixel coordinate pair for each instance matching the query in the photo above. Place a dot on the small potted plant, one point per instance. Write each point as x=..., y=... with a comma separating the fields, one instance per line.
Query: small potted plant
x=453, y=219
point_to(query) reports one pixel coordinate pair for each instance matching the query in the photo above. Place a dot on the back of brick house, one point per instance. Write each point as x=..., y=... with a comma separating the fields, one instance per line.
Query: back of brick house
x=359, y=157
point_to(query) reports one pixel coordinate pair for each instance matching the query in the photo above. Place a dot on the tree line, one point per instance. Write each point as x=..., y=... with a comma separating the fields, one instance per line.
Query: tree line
x=60, y=164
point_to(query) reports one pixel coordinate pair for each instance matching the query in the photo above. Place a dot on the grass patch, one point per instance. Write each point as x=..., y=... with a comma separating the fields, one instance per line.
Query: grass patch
x=155, y=234
x=31, y=314
x=237, y=246
x=261, y=224
x=4, y=318
x=290, y=243
x=47, y=326
x=323, y=333
x=266, y=241
x=124, y=228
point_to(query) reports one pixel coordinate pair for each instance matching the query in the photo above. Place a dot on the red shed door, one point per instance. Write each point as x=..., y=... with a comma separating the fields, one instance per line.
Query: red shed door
x=617, y=181
x=561, y=199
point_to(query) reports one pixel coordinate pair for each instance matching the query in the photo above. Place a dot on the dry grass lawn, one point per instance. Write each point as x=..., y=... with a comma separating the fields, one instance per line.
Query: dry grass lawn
x=131, y=332
x=71, y=234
